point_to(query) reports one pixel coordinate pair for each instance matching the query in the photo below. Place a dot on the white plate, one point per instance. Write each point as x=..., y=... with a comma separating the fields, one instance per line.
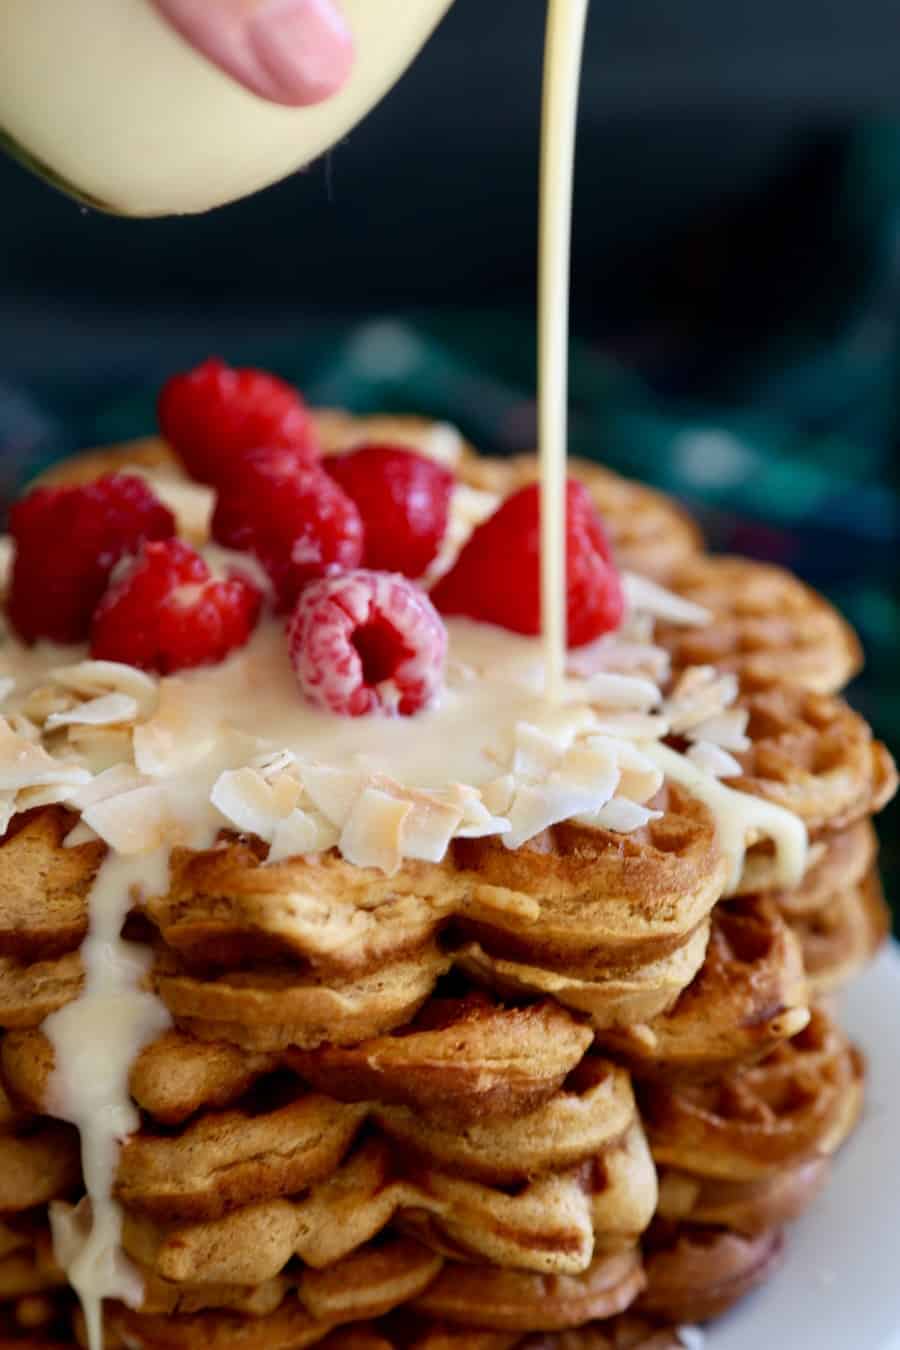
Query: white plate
x=839, y=1288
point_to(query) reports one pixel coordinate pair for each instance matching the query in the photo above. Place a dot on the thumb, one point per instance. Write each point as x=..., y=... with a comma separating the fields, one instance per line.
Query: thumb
x=297, y=52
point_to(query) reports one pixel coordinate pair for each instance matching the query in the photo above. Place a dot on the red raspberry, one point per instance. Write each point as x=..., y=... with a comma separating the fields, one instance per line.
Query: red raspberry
x=68, y=540
x=166, y=612
x=297, y=521
x=213, y=414
x=496, y=577
x=404, y=500
x=367, y=642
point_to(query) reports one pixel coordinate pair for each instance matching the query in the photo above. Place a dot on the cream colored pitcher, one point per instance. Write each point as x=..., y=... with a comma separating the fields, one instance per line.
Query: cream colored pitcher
x=107, y=101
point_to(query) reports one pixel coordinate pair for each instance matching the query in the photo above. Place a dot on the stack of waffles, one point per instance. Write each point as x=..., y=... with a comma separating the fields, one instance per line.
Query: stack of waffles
x=563, y=1094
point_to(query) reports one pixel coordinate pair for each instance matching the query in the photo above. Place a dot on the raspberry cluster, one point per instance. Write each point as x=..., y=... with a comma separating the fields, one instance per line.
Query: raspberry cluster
x=342, y=539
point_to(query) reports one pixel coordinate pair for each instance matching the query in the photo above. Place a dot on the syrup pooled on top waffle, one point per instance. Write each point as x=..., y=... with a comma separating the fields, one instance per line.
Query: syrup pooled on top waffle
x=353, y=994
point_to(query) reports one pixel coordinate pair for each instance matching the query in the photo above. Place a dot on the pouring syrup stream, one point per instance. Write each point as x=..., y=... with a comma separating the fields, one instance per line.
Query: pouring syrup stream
x=562, y=71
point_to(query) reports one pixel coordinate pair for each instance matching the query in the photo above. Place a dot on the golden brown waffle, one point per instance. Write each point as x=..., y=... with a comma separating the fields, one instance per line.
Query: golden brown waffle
x=544, y=1224
x=586, y=902
x=39, y=1160
x=695, y=1273
x=284, y=1331
x=749, y=995
x=464, y=1059
x=767, y=626
x=621, y=997
x=812, y=754
x=602, y=900
x=257, y=1185
x=626, y=1332
x=303, y=1309
x=748, y=1207
x=467, y=1056
x=507, y=1300
x=839, y=939
x=750, y=1151
x=276, y=1007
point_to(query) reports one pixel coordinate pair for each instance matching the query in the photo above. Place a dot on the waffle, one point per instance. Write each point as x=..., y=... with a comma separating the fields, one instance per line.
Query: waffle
x=626, y=1332
x=695, y=1273
x=841, y=937
x=749, y=995
x=362, y=953
x=260, y=1186
x=286, y=1332
x=750, y=1151
x=767, y=624
x=554, y=1097
x=812, y=754
x=506, y=1300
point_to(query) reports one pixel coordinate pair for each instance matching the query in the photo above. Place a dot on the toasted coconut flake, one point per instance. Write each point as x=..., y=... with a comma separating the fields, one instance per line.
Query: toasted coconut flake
x=728, y=730
x=497, y=795
x=251, y=804
x=272, y=763
x=99, y=748
x=621, y=816
x=111, y=783
x=301, y=833
x=136, y=822
x=615, y=653
x=701, y=693
x=714, y=760
x=108, y=710
x=91, y=679
x=538, y=806
x=633, y=726
x=477, y=820
x=646, y=597
x=536, y=753
x=80, y=834
x=630, y=693
x=333, y=791
x=373, y=833
x=28, y=799
x=639, y=778
x=25, y=764
x=45, y=701
x=7, y=810
x=429, y=827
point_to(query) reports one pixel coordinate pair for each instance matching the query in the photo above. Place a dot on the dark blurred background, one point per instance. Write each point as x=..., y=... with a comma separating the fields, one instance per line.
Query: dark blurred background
x=736, y=277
